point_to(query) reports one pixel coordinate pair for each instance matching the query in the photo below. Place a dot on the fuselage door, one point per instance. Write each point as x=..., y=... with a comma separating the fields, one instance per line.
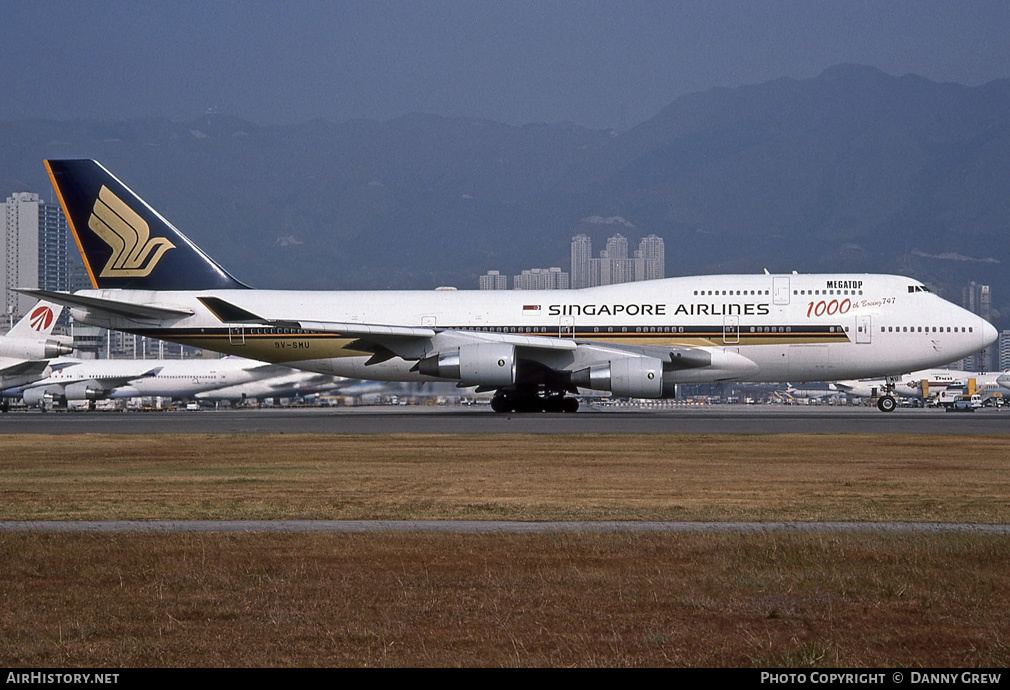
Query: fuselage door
x=863, y=329
x=236, y=335
x=566, y=327
x=780, y=289
x=731, y=330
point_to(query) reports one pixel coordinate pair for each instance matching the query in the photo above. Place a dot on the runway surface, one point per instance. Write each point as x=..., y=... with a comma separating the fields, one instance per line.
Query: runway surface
x=704, y=419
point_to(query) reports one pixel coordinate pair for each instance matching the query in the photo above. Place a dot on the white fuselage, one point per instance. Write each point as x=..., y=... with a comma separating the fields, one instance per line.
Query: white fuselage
x=760, y=328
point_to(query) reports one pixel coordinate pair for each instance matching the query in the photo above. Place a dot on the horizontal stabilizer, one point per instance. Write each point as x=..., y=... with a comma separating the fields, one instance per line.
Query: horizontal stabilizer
x=130, y=310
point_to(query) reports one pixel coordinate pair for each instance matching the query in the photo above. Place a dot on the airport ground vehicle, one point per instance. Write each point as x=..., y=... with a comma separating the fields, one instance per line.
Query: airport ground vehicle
x=965, y=403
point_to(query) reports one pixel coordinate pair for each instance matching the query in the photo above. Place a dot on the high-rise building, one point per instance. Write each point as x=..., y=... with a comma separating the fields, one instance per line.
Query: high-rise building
x=541, y=279
x=617, y=248
x=33, y=250
x=650, y=259
x=582, y=259
x=1004, y=351
x=615, y=266
x=978, y=300
x=493, y=280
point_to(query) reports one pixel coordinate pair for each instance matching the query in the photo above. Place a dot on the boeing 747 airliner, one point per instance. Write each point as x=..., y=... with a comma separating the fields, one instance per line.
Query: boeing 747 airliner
x=532, y=348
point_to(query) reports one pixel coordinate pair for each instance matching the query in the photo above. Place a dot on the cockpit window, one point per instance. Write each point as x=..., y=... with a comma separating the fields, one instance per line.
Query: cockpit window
x=918, y=288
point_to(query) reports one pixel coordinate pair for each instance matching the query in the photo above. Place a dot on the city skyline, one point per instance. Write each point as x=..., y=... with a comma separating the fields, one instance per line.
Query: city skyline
x=33, y=250
x=613, y=266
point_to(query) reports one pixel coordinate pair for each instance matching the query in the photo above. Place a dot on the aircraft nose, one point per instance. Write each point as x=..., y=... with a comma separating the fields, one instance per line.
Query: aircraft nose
x=989, y=333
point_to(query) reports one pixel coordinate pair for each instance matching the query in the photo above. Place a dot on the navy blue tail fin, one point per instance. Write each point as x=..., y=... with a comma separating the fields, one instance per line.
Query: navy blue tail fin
x=124, y=242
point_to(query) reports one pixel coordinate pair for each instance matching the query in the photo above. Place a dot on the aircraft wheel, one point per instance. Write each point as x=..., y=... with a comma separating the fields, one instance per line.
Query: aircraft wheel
x=556, y=403
x=533, y=403
x=886, y=403
x=570, y=405
x=501, y=403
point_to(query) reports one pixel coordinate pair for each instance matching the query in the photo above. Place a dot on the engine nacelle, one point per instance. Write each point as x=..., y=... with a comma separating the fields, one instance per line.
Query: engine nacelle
x=84, y=390
x=484, y=364
x=20, y=348
x=627, y=377
x=42, y=395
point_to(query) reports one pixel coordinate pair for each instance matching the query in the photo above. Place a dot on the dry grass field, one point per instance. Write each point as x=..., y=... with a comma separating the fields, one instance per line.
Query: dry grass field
x=771, y=599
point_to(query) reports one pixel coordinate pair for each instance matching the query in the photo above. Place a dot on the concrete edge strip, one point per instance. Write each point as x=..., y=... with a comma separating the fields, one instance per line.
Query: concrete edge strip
x=488, y=526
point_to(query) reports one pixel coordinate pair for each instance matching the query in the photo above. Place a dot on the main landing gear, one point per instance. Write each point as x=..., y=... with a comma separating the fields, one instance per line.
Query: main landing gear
x=886, y=403
x=533, y=401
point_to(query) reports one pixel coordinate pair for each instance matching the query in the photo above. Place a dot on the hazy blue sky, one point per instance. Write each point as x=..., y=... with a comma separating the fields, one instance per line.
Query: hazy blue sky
x=599, y=64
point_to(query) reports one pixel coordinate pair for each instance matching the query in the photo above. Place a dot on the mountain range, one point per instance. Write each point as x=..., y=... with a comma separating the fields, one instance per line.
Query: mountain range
x=853, y=170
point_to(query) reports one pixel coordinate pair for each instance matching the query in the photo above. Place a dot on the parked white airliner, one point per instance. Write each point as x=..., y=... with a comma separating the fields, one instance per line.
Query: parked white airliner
x=918, y=384
x=29, y=345
x=284, y=385
x=532, y=347
x=179, y=379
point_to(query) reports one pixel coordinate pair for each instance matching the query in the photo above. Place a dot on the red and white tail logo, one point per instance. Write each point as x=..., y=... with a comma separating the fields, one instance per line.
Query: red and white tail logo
x=41, y=319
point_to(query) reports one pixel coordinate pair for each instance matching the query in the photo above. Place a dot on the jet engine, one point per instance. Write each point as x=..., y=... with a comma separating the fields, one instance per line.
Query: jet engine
x=84, y=390
x=28, y=349
x=485, y=364
x=38, y=397
x=627, y=377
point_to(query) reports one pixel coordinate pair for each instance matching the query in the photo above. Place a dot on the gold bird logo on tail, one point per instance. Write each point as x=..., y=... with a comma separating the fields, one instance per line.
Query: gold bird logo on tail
x=134, y=252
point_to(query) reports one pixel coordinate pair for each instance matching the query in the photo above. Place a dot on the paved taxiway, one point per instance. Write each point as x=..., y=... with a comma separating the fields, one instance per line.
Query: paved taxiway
x=488, y=526
x=704, y=419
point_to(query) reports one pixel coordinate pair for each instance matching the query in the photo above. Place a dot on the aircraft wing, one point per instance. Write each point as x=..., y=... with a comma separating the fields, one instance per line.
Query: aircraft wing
x=389, y=341
x=230, y=313
x=426, y=345
x=19, y=372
